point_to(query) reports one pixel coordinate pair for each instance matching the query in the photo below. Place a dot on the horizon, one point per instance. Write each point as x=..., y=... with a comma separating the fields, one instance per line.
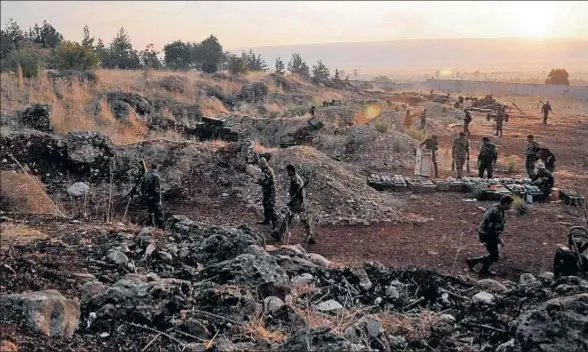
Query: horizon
x=260, y=24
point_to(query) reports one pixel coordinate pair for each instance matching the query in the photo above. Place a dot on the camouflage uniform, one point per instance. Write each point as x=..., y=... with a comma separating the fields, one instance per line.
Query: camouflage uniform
x=545, y=109
x=544, y=180
x=486, y=159
x=151, y=191
x=268, y=189
x=295, y=207
x=489, y=232
x=423, y=118
x=432, y=145
x=531, y=154
x=499, y=122
x=466, y=123
x=460, y=151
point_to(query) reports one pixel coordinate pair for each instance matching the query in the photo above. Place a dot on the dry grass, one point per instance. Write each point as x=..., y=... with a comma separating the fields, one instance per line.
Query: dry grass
x=256, y=328
x=413, y=328
x=18, y=233
x=418, y=134
x=25, y=194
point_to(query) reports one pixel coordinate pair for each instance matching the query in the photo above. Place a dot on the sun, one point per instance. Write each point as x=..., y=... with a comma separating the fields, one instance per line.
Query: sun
x=534, y=19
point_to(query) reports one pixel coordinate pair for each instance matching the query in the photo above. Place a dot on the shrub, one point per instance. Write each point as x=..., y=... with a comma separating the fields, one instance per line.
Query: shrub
x=419, y=135
x=382, y=127
x=520, y=206
x=29, y=62
x=72, y=56
x=254, y=92
x=511, y=166
x=174, y=83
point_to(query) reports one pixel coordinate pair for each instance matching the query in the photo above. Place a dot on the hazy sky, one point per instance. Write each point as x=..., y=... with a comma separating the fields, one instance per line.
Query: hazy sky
x=265, y=23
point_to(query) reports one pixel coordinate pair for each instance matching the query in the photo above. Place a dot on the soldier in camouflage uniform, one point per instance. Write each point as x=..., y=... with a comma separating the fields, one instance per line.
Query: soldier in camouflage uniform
x=268, y=187
x=460, y=152
x=466, y=122
x=423, y=118
x=544, y=180
x=531, y=154
x=499, y=121
x=487, y=158
x=545, y=109
x=295, y=207
x=432, y=144
x=489, y=232
x=151, y=192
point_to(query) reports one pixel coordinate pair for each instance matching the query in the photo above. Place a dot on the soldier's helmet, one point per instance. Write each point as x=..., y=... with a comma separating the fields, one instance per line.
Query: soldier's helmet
x=262, y=162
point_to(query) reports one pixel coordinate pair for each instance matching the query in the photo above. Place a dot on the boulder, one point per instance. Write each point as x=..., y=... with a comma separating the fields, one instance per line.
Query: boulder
x=367, y=326
x=117, y=257
x=528, y=280
x=303, y=279
x=319, y=339
x=491, y=285
x=257, y=270
x=272, y=303
x=78, y=189
x=47, y=312
x=120, y=109
x=318, y=260
x=330, y=306
x=361, y=278
x=483, y=297
x=558, y=325
x=140, y=104
x=37, y=117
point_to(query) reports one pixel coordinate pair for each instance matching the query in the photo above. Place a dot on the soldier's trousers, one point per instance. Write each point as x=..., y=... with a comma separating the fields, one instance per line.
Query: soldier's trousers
x=483, y=166
x=545, y=115
x=434, y=161
x=466, y=129
x=459, y=163
x=269, y=209
x=155, y=213
x=530, y=166
x=302, y=215
x=499, y=129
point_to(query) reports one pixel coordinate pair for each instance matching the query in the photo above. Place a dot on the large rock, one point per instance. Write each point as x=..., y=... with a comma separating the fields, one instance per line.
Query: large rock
x=491, y=285
x=89, y=154
x=138, y=103
x=319, y=339
x=47, y=312
x=78, y=189
x=257, y=270
x=38, y=117
x=558, y=325
x=366, y=328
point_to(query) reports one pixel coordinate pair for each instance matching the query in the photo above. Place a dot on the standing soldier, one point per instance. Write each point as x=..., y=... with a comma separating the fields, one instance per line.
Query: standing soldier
x=432, y=144
x=460, y=151
x=489, y=232
x=423, y=118
x=296, y=206
x=487, y=158
x=531, y=154
x=499, y=121
x=466, y=122
x=268, y=188
x=545, y=109
x=312, y=110
x=151, y=192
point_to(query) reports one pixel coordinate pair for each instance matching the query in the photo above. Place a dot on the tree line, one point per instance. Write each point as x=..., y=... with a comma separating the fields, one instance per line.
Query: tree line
x=43, y=47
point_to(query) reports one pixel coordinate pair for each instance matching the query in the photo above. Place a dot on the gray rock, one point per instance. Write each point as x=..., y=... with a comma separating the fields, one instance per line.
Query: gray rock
x=397, y=342
x=330, y=306
x=448, y=318
x=364, y=281
x=557, y=325
x=547, y=275
x=123, y=248
x=527, y=280
x=319, y=260
x=272, y=304
x=319, y=339
x=90, y=289
x=46, y=312
x=117, y=257
x=195, y=347
x=165, y=256
x=367, y=326
x=303, y=279
x=78, y=189
x=491, y=285
x=483, y=297
x=152, y=277
x=393, y=292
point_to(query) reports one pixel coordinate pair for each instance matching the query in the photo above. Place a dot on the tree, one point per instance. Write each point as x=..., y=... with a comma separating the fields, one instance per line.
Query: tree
x=320, y=72
x=558, y=76
x=254, y=62
x=73, y=56
x=121, y=54
x=236, y=65
x=279, y=66
x=298, y=67
x=87, y=41
x=149, y=58
x=101, y=52
x=46, y=36
x=177, y=55
x=209, y=55
x=13, y=35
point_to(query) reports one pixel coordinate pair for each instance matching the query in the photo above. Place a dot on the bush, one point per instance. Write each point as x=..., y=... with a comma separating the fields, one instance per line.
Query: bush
x=382, y=127
x=419, y=135
x=70, y=75
x=520, y=206
x=174, y=83
x=28, y=60
x=253, y=93
x=72, y=56
x=511, y=166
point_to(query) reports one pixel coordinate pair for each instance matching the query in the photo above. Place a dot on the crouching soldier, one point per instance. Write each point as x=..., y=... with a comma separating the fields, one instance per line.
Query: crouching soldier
x=544, y=180
x=151, y=192
x=489, y=232
x=295, y=206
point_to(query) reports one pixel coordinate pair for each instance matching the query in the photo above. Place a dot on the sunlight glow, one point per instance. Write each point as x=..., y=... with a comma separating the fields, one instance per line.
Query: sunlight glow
x=534, y=19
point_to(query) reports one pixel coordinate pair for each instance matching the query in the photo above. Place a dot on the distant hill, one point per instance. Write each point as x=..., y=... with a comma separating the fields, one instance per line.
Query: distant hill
x=425, y=56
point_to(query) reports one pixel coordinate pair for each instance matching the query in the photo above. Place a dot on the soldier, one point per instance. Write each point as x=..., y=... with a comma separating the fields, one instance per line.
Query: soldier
x=460, y=151
x=545, y=109
x=461, y=99
x=423, y=118
x=268, y=188
x=487, y=158
x=489, y=232
x=151, y=192
x=432, y=144
x=548, y=158
x=544, y=180
x=531, y=154
x=499, y=121
x=296, y=206
x=466, y=122
x=312, y=110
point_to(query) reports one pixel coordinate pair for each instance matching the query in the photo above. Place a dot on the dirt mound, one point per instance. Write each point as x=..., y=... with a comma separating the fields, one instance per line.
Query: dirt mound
x=336, y=193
